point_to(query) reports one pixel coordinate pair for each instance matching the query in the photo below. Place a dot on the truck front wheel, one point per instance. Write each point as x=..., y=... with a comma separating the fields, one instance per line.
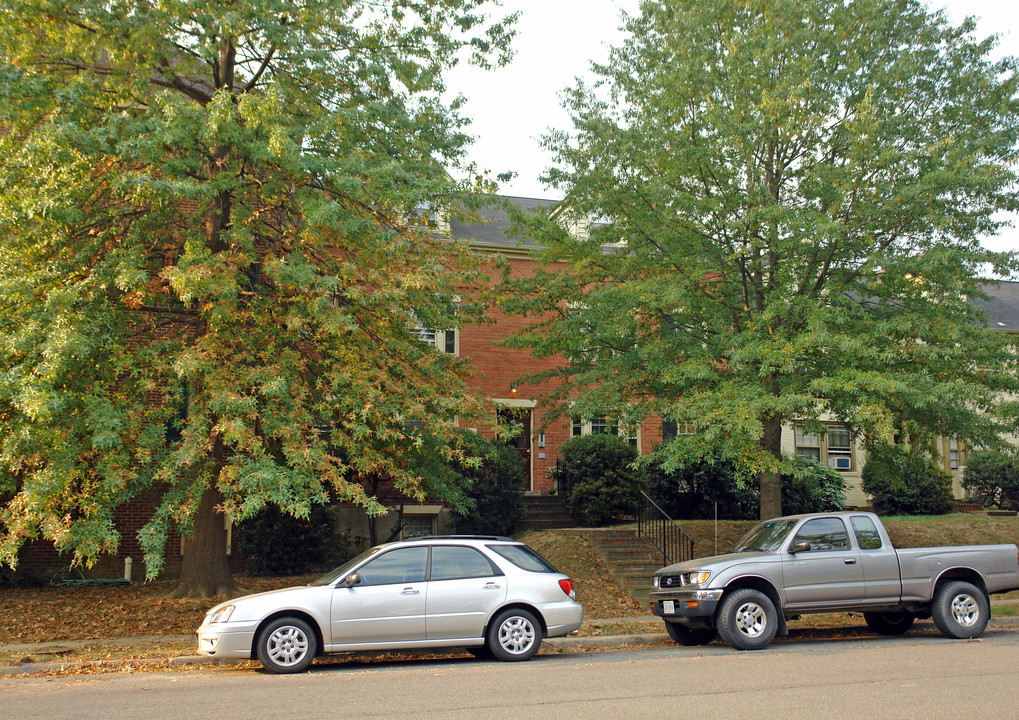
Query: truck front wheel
x=960, y=610
x=747, y=619
x=689, y=636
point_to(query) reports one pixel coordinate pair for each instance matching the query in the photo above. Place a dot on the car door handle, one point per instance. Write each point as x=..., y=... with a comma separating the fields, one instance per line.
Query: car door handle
x=410, y=591
x=491, y=586
x=849, y=561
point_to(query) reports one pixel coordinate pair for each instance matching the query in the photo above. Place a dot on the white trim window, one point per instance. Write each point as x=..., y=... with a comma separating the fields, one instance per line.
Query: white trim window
x=674, y=428
x=834, y=448
x=447, y=341
x=953, y=454
x=604, y=425
x=419, y=521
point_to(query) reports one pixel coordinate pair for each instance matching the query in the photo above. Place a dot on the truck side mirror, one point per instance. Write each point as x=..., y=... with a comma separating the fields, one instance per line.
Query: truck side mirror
x=798, y=547
x=352, y=580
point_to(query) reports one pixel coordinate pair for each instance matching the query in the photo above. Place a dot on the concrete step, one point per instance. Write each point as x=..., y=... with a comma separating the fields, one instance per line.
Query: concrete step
x=545, y=512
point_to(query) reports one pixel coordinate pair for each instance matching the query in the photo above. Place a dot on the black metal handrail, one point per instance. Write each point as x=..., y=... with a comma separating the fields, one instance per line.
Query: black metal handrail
x=662, y=531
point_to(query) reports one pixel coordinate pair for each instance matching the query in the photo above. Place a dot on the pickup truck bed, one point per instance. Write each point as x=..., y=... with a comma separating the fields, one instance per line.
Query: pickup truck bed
x=828, y=562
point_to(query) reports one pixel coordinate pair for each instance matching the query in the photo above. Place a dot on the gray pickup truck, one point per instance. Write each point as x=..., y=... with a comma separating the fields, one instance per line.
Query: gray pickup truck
x=829, y=562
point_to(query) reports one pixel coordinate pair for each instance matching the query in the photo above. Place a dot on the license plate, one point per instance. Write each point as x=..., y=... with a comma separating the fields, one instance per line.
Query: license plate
x=668, y=607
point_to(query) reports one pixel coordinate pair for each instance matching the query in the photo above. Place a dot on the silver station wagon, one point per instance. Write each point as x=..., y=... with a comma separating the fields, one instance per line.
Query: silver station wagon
x=491, y=595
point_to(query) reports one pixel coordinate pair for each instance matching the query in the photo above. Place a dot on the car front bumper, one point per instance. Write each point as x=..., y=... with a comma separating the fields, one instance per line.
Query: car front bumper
x=227, y=640
x=678, y=604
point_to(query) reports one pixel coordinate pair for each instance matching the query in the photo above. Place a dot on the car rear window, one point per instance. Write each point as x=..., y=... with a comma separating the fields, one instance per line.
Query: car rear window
x=523, y=557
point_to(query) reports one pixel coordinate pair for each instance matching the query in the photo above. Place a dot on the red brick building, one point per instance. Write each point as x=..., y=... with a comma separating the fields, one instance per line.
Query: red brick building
x=499, y=369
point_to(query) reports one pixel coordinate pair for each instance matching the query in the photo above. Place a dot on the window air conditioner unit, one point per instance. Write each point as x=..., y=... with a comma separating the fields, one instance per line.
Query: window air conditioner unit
x=840, y=463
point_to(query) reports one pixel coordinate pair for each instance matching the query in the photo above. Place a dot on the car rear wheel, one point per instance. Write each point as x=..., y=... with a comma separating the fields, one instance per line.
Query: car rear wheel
x=514, y=635
x=889, y=623
x=689, y=636
x=747, y=619
x=286, y=645
x=960, y=610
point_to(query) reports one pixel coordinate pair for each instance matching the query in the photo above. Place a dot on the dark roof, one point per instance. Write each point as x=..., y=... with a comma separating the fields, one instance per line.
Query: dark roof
x=495, y=221
x=1003, y=306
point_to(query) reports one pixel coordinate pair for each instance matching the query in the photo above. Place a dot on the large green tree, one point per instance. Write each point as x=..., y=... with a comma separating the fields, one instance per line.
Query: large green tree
x=787, y=197
x=216, y=244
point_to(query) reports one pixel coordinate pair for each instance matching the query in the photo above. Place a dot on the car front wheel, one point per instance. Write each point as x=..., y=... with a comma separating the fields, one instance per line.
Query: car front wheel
x=514, y=635
x=960, y=610
x=689, y=636
x=747, y=619
x=286, y=645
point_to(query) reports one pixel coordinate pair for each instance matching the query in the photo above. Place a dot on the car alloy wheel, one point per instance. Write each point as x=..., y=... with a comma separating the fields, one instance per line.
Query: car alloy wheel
x=286, y=645
x=514, y=635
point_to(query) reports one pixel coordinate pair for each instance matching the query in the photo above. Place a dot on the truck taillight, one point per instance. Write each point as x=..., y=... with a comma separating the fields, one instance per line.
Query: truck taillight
x=567, y=586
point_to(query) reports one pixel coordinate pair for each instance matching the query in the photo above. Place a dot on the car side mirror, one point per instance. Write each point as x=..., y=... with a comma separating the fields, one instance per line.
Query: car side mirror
x=352, y=580
x=798, y=547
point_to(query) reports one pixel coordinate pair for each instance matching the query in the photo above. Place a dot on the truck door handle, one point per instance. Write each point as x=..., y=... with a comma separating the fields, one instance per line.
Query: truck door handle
x=410, y=591
x=849, y=561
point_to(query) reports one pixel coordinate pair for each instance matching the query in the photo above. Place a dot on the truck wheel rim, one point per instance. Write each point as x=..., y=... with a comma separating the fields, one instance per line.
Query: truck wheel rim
x=287, y=646
x=965, y=610
x=751, y=619
x=516, y=635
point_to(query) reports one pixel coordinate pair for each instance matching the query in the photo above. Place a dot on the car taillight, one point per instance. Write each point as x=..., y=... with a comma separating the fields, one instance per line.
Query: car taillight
x=567, y=586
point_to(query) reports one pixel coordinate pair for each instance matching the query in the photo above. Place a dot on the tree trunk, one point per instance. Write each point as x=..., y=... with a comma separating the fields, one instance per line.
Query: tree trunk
x=771, y=482
x=205, y=572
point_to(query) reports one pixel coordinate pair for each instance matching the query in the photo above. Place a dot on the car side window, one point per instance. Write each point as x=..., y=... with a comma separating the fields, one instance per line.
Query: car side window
x=823, y=534
x=867, y=535
x=450, y=562
x=403, y=565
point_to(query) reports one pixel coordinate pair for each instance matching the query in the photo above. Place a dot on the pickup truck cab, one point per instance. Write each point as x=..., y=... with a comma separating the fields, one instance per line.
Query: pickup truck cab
x=827, y=562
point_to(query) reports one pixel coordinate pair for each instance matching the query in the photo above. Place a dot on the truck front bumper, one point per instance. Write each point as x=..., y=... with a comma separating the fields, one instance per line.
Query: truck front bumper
x=679, y=604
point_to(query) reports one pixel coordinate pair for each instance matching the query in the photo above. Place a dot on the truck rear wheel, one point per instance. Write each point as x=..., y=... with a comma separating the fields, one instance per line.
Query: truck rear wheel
x=689, y=636
x=747, y=619
x=889, y=623
x=960, y=609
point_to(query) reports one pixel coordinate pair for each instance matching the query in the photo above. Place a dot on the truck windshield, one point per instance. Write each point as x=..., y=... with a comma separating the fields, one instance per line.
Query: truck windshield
x=765, y=537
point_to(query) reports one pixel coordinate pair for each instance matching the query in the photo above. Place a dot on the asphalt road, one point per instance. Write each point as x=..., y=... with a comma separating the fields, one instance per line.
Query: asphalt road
x=907, y=677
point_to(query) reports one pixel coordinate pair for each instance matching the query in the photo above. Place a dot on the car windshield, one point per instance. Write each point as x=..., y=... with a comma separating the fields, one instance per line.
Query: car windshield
x=765, y=537
x=343, y=570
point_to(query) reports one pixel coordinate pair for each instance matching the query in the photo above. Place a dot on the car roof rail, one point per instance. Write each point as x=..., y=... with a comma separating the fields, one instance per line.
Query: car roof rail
x=500, y=538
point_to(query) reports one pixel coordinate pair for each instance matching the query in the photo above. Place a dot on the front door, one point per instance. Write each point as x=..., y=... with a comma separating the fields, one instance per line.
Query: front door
x=519, y=421
x=388, y=606
x=829, y=573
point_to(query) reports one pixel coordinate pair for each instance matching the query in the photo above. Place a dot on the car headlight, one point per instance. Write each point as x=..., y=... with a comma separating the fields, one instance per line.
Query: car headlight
x=695, y=578
x=220, y=614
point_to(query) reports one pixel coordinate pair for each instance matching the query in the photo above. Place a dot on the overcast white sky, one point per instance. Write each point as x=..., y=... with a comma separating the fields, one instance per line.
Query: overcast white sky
x=514, y=106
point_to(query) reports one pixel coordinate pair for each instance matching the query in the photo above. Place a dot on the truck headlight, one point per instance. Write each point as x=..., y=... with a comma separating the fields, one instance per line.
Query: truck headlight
x=695, y=578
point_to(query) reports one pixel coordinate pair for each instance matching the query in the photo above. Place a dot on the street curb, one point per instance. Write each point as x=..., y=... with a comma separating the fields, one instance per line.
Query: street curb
x=559, y=643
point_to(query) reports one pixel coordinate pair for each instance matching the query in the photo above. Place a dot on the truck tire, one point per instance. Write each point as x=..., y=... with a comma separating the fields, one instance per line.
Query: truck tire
x=889, y=623
x=960, y=610
x=689, y=636
x=747, y=619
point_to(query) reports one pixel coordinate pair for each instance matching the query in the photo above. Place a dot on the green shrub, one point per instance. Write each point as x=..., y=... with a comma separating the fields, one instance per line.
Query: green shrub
x=599, y=473
x=992, y=478
x=495, y=492
x=905, y=483
x=692, y=492
x=812, y=487
x=275, y=543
